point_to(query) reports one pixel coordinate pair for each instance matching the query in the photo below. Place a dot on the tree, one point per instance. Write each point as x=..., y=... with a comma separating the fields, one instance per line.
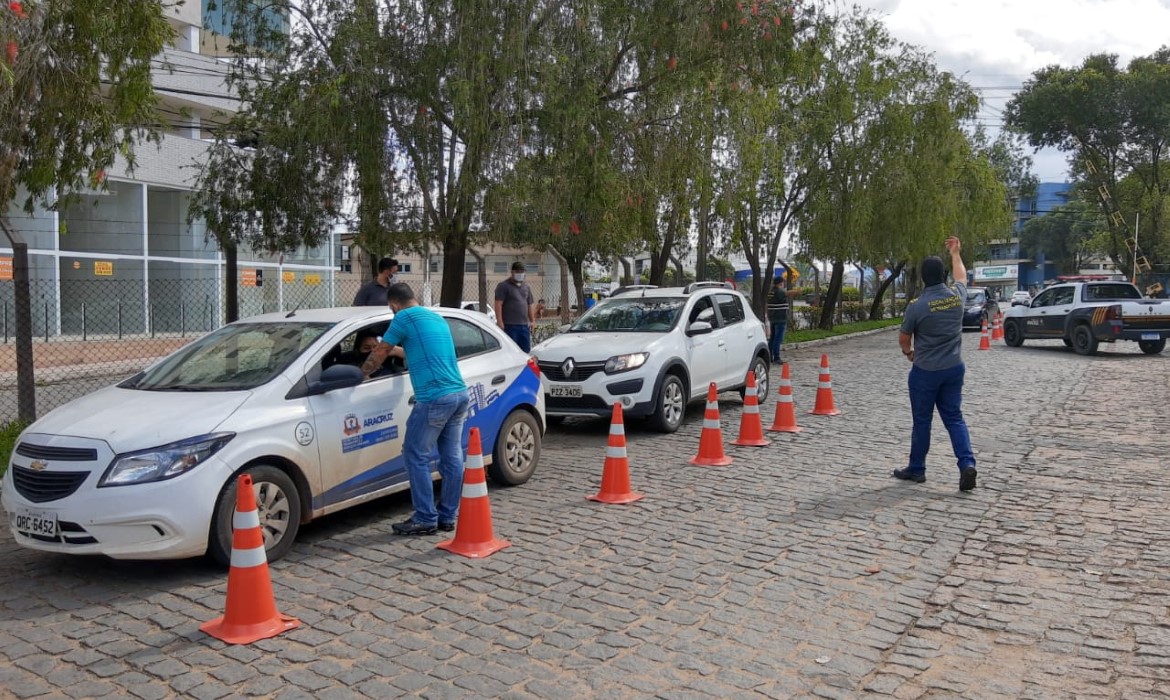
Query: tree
x=1069, y=235
x=75, y=98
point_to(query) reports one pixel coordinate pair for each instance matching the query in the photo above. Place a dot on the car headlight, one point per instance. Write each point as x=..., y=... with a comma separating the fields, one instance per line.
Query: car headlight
x=624, y=363
x=166, y=462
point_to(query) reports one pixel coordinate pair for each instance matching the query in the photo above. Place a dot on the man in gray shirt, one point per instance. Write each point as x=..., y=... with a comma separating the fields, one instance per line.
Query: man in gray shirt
x=932, y=338
x=516, y=307
x=373, y=293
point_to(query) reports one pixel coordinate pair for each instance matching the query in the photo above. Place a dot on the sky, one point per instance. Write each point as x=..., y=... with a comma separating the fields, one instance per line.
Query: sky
x=996, y=45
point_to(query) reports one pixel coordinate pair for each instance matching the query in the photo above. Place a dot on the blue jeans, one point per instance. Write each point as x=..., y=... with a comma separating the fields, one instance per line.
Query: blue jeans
x=520, y=332
x=777, y=338
x=942, y=389
x=432, y=424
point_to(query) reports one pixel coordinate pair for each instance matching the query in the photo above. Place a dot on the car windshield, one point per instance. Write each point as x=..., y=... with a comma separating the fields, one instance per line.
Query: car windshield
x=236, y=357
x=975, y=296
x=635, y=314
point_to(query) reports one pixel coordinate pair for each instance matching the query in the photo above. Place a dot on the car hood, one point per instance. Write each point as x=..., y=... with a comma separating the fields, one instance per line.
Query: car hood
x=130, y=420
x=593, y=347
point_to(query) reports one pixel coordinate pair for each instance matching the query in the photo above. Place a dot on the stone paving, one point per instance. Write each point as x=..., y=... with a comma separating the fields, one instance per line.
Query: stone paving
x=801, y=570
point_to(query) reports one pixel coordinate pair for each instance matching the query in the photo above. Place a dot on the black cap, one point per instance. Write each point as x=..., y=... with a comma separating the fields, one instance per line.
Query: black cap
x=933, y=271
x=518, y=266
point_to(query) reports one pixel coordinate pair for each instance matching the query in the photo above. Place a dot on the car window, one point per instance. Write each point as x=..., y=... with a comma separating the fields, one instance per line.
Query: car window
x=975, y=296
x=236, y=357
x=1043, y=298
x=730, y=308
x=1062, y=295
x=1099, y=292
x=703, y=310
x=470, y=338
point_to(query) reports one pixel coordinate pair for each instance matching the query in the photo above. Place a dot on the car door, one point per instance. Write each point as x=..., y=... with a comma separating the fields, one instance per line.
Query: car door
x=706, y=354
x=486, y=374
x=359, y=434
x=1037, y=311
x=1057, y=311
x=739, y=340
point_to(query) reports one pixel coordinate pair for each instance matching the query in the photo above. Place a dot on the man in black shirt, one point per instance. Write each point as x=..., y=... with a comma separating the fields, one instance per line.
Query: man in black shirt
x=373, y=293
x=777, y=317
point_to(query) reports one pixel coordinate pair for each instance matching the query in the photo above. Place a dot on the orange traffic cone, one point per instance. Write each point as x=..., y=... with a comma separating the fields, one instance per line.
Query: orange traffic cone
x=711, y=439
x=825, y=405
x=998, y=326
x=984, y=340
x=473, y=530
x=251, y=612
x=615, y=478
x=751, y=429
x=785, y=409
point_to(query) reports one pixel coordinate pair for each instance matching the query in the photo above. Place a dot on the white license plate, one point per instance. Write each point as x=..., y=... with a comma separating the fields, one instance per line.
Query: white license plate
x=565, y=391
x=1150, y=336
x=35, y=522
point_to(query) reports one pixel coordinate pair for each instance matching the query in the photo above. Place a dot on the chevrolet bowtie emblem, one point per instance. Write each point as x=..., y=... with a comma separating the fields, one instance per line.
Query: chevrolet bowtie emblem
x=568, y=367
x=38, y=466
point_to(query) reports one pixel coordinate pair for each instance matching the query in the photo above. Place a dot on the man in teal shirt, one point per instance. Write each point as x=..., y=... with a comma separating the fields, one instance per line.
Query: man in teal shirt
x=423, y=338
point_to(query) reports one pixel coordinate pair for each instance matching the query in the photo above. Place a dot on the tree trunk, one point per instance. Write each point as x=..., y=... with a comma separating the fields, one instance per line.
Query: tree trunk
x=231, y=289
x=454, y=264
x=627, y=272
x=564, y=287
x=832, y=295
x=660, y=258
x=875, y=309
x=481, y=279
x=26, y=392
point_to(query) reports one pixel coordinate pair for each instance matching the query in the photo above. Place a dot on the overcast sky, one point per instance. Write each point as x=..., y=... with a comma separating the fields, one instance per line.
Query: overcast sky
x=995, y=45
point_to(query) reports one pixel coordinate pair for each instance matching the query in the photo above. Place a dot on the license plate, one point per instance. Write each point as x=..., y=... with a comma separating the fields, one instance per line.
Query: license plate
x=565, y=391
x=35, y=522
x=1151, y=336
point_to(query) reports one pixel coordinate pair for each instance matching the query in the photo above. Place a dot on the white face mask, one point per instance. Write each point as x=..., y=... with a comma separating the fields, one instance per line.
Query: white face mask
x=518, y=276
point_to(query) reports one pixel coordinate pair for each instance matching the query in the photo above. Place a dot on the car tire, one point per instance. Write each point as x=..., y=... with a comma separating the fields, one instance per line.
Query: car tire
x=760, y=369
x=279, y=504
x=1083, y=341
x=670, y=406
x=1013, y=335
x=517, y=450
x=1152, y=347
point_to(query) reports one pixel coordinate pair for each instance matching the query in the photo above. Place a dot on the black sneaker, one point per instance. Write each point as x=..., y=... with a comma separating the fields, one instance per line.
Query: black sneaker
x=410, y=527
x=907, y=475
x=967, y=478
x=446, y=526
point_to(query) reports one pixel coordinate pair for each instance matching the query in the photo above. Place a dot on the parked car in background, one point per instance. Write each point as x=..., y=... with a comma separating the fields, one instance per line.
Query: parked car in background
x=1021, y=297
x=980, y=308
x=1084, y=314
x=147, y=469
x=654, y=351
x=474, y=306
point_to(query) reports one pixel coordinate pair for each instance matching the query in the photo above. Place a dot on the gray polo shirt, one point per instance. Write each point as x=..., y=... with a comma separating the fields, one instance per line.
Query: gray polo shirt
x=935, y=319
x=371, y=294
x=516, y=298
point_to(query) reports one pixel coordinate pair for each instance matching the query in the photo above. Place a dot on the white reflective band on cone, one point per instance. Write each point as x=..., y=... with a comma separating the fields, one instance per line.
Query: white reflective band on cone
x=708, y=423
x=475, y=490
x=474, y=462
x=246, y=519
x=712, y=405
x=615, y=451
x=751, y=409
x=824, y=385
x=617, y=429
x=248, y=558
x=750, y=391
x=785, y=398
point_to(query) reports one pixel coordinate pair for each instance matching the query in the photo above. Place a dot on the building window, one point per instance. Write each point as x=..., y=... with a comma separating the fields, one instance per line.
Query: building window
x=436, y=265
x=471, y=266
x=404, y=267
x=533, y=268
x=500, y=268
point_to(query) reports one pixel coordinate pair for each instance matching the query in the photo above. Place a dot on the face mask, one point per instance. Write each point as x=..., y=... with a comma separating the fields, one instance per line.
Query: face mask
x=518, y=276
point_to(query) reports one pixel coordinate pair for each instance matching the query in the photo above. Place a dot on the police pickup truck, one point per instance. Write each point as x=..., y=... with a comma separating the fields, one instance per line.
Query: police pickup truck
x=1083, y=314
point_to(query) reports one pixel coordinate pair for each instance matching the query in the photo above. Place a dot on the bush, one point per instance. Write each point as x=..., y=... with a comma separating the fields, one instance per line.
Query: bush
x=9, y=431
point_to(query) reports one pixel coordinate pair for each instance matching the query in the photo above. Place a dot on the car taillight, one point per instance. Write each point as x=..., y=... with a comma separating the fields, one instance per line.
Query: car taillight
x=532, y=365
x=1113, y=313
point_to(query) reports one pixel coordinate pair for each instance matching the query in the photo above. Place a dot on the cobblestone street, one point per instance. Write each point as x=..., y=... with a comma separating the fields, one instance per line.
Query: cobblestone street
x=801, y=570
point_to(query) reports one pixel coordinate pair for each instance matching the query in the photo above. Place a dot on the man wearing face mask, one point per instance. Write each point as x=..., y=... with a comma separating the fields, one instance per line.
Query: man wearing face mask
x=516, y=307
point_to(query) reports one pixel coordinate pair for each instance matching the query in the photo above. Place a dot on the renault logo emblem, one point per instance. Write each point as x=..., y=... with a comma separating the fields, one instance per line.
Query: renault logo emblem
x=38, y=466
x=568, y=367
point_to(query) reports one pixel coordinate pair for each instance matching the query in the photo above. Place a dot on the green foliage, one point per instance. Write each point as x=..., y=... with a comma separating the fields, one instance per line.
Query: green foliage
x=1068, y=235
x=9, y=432
x=79, y=96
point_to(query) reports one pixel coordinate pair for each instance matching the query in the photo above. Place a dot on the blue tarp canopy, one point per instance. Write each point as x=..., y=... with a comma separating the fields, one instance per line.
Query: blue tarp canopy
x=741, y=275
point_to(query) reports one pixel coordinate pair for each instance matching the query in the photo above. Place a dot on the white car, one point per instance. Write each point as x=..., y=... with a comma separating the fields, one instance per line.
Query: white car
x=147, y=469
x=474, y=306
x=654, y=351
x=1021, y=298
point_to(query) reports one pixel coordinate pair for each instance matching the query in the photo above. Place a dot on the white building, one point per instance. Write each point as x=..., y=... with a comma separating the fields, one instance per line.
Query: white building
x=125, y=260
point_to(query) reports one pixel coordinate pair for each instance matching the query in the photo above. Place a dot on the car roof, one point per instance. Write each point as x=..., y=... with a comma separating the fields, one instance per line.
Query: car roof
x=346, y=313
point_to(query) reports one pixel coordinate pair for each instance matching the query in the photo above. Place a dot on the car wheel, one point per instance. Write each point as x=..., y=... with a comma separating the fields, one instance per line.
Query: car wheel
x=760, y=369
x=1012, y=334
x=1152, y=347
x=1083, y=341
x=517, y=449
x=279, y=506
x=672, y=403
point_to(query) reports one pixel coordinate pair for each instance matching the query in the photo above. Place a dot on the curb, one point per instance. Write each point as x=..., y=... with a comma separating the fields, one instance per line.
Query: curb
x=836, y=338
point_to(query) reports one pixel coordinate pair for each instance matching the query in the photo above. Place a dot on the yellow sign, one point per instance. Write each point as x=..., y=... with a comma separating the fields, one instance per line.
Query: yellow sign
x=5, y=269
x=248, y=277
x=288, y=277
x=312, y=279
x=103, y=268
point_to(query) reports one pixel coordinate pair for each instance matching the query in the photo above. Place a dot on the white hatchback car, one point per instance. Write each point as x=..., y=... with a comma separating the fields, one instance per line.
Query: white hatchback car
x=147, y=469
x=654, y=351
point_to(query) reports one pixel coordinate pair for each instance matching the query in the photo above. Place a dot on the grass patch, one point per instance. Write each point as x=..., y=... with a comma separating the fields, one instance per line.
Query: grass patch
x=9, y=431
x=802, y=336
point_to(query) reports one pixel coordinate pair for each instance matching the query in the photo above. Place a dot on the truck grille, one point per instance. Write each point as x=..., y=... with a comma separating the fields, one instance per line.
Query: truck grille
x=44, y=486
x=56, y=454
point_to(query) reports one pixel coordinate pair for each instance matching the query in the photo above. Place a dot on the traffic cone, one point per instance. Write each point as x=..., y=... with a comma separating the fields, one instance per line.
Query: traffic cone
x=825, y=405
x=998, y=326
x=711, y=439
x=984, y=340
x=615, y=478
x=473, y=530
x=751, y=429
x=785, y=409
x=995, y=327
x=250, y=612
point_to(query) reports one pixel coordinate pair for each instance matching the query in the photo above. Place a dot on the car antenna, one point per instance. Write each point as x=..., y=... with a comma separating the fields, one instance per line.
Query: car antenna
x=297, y=308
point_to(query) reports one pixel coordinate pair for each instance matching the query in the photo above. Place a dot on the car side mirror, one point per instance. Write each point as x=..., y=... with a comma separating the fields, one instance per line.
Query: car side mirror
x=699, y=328
x=337, y=377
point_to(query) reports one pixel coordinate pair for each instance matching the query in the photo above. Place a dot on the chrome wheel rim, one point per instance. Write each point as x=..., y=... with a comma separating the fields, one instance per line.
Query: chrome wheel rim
x=273, y=508
x=672, y=403
x=519, y=446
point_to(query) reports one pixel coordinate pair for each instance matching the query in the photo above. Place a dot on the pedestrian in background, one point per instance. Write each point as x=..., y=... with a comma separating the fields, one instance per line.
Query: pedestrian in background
x=373, y=293
x=516, y=307
x=777, y=317
x=932, y=339
x=423, y=338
